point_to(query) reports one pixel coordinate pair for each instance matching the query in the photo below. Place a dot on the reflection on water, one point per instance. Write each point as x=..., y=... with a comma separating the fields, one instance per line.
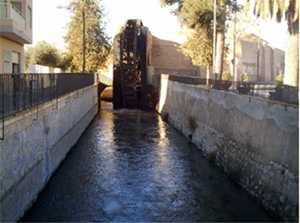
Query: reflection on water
x=131, y=166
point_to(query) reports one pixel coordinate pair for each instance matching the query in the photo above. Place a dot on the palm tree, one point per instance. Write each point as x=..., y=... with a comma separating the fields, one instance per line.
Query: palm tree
x=287, y=10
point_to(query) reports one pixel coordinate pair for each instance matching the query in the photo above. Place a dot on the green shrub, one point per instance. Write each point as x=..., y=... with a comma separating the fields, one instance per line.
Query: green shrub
x=245, y=77
x=279, y=79
x=226, y=76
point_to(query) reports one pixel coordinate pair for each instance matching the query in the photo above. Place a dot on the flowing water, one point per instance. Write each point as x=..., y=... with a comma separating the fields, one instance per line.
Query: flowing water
x=130, y=166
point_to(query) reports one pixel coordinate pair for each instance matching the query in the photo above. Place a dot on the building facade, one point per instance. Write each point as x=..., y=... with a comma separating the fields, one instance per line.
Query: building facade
x=15, y=32
x=257, y=59
x=249, y=54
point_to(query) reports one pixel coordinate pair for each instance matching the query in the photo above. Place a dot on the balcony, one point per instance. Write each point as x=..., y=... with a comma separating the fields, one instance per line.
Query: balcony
x=13, y=24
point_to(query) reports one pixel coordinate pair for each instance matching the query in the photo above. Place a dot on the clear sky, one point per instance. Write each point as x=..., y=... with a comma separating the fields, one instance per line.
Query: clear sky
x=50, y=20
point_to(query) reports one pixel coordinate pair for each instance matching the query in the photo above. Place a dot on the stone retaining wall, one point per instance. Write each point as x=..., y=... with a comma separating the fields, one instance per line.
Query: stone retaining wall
x=254, y=140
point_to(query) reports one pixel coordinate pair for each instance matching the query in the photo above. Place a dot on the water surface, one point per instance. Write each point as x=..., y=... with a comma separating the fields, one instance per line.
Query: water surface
x=130, y=166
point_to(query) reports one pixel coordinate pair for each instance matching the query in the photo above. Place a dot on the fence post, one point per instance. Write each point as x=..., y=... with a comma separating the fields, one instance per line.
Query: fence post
x=28, y=91
x=38, y=96
x=56, y=94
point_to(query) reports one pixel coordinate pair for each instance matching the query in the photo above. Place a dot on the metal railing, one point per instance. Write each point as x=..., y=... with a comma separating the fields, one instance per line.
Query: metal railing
x=282, y=93
x=20, y=92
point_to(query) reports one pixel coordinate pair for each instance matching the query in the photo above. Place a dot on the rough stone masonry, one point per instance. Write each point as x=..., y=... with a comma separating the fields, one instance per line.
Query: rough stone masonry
x=254, y=140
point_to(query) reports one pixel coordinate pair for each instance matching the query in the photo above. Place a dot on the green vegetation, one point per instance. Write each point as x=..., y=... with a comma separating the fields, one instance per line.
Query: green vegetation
x=89, y=48
x=93, y=40
x=47, y=55
x=279, y=79
x=199, y=47
x=280, y=9
x=29, y=57
x=198, y=16
x=245, y=77
x=226, y=76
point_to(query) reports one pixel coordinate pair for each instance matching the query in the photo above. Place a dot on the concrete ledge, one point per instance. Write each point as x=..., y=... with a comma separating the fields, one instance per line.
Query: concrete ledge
x=35, y=145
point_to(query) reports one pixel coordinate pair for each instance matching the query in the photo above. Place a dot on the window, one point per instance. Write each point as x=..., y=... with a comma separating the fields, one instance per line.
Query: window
x=7, y=62
x=7, y=67
x=7, y=56
x=16, y=59
x=15, y=68
x=12, y=61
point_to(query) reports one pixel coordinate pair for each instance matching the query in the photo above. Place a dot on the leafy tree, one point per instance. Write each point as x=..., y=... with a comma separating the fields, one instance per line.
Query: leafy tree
x=45, y=54
x=199, y=47
x=65, y=62
x=93, y=43
x=198, y=15
x=287, y=10
x=280, y=9
x=29, y=57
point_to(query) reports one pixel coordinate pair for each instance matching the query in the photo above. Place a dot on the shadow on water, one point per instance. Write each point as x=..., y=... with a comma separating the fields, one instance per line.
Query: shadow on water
x=130, y=166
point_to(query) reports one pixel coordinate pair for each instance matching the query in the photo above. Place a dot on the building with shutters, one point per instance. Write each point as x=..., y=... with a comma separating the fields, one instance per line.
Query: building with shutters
x=15, y=32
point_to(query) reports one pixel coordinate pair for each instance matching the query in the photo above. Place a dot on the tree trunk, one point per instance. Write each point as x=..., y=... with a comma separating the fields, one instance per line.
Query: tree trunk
x=83, y=40
x=220, y=54
x=291, y=74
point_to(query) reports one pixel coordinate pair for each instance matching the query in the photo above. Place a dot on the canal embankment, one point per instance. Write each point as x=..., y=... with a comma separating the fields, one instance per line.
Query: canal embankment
x=131, y=166
x=35, y=143
x=253, y=140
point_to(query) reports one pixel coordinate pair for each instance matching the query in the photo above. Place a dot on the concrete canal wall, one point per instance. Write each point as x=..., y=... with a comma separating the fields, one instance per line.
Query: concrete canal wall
x=35, y=143
x=255, y=141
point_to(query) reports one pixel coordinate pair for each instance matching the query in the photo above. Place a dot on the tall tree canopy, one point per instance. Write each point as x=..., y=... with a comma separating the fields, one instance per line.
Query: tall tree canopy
x=283, y=10
x=194, y=13
x=97, y=42
x=280, y=9
x=198, y=16
x=199, y=47
x=46, y=54
x=43, y=54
